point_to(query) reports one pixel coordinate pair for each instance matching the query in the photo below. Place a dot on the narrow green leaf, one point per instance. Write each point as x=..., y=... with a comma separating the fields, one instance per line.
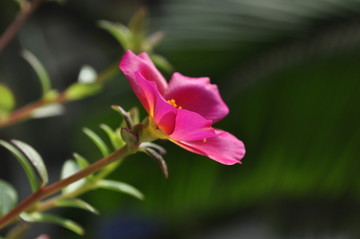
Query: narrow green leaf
x=69, y=168
x=49, y=218
x=120, y=32
x=39, y=70
x=24, y=162
x=116, y=141
x=79, y=91
x=97, y=141
x=81, y=161
x=78, y=203
x=7, y=101
x=8, y=197
x=120, y=187
x=35, y=160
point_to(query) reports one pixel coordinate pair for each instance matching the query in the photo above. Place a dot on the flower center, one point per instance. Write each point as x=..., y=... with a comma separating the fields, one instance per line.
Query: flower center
x=173, y=103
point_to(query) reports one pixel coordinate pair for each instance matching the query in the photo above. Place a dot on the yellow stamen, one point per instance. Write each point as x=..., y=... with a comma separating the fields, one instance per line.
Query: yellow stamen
x=173, y=103
x=204, y=140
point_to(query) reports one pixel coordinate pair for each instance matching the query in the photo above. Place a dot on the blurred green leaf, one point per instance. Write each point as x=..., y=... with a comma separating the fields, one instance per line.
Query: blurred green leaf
x=20, y=2
x=120, y=32
x=35, y=159
x=39, y=70
x=49, y=218
x=8, y=197
x=7, y=101
x=138, y=22
x=18, y=232
x=116, y=141
x=162, y=63
x=97, y=141
x=120, y=187
x=79, y=91
x=78, y=203
x=25, y=163
x=69, y=168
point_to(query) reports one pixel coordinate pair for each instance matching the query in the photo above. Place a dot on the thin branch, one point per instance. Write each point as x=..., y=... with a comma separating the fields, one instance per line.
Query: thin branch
x=27, y=9
x=25, y=112
x=57, y=186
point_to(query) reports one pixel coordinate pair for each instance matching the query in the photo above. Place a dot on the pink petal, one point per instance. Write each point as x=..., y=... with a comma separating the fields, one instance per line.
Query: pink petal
x=131, y=63
x=162, y=112
x=191, y=126
x=197, y=95
x=145, y=91
x=224, y=148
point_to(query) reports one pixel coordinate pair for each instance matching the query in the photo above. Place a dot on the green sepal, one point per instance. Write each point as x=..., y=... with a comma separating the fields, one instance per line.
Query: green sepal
x=49, y=218
x=154, y=154
x=8, y=197
x=39, y=70
x=97, y=141
x=77, y=203
x=131, y=138
x=120, y=187
x=24, y=162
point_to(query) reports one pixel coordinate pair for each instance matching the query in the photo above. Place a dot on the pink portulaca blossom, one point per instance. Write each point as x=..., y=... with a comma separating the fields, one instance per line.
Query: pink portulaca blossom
x=183, y=110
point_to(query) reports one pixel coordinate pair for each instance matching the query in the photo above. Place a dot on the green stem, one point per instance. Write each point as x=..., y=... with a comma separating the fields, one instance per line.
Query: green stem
x=57, y=186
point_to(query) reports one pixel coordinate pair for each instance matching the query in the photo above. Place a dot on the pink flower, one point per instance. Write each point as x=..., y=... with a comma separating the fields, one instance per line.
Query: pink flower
x=183, y=110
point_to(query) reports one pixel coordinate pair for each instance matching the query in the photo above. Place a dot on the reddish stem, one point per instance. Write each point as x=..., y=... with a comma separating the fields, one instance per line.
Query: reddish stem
x=26, y=111
x=26, y=10
x=57, y=186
